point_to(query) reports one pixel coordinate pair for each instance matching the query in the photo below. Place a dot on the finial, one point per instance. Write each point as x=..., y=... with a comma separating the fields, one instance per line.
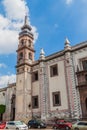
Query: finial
x=26, y=16
x=67, y=41
x=26, y=20
x=42, y=54
x=67, y=44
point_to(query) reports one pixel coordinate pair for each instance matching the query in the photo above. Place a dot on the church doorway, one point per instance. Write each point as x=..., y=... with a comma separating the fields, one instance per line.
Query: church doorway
x=13, y=107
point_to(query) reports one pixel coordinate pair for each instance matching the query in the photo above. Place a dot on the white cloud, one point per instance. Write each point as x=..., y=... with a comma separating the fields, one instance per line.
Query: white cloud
x=8, y=41
x=4, y=80
x=4, y=22
x=10, y=25
x=15, y=9
x=69, y=2
x=2, y=65
x=34, y=30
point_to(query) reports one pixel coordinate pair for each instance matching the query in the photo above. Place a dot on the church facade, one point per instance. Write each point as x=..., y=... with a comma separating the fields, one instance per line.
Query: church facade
x=52, y=86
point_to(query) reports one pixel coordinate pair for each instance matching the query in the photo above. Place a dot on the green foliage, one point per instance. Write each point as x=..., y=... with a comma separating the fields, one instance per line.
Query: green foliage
x=2, y=108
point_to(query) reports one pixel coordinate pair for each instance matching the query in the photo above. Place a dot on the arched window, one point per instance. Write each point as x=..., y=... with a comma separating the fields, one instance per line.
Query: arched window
x=29, y=43
x=86, y=103
x=22, y=42
x=30, y=56
x=13, y=99
x=21, y=55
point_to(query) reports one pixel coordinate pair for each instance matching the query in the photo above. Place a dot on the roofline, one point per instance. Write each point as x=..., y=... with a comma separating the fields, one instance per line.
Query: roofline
x=79, y=46
x=8, y=86
x=62, y=52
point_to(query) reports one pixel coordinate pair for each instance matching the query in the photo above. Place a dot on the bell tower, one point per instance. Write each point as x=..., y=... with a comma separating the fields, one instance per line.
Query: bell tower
x=25, y=58
x=25, y=50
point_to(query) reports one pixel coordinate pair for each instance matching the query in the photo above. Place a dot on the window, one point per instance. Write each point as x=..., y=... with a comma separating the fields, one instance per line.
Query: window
x=86, y=103
x=53, y=70
x=84, y=63
x=35, y=101
x=86, y=77
x=22, y=42
x=21, y=55
x=56, y=99
x=35, y=76
x=30, y=56
x=82, y=123
x=11, y=123
x=29, y=41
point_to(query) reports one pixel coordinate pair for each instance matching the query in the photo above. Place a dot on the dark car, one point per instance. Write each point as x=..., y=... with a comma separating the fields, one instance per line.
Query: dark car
x=61, y=124
x=36, y=124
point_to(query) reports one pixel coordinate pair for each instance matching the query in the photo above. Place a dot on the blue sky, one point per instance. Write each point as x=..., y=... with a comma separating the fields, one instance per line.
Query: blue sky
x=52, y=21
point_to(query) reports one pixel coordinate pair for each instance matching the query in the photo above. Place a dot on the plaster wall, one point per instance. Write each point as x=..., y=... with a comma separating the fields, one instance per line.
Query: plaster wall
x=58, y=83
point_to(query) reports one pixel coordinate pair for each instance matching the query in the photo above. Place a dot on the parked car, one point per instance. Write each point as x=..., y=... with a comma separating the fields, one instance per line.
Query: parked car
x=62, y=124
x=2, y=125
x=80, y=125
x=36, y=124
x=17, y=125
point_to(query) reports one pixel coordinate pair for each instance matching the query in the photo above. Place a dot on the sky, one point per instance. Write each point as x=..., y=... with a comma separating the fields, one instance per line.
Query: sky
x=51, y=21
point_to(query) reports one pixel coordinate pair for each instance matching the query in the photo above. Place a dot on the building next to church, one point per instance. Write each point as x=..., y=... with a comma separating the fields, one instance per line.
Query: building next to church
x=52, y=86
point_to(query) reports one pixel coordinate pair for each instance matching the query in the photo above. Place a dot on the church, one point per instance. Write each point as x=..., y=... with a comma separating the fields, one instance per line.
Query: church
x=52, y=86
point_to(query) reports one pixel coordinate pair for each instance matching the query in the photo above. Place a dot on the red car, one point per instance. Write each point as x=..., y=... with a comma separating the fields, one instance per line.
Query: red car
x=60, y=124
x=2, y=125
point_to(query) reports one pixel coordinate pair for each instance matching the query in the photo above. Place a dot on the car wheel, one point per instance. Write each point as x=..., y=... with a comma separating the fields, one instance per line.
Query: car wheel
x=39, y=126
x=55, y=128
x=29, y=126
x=76, y=129
x=6, y=128
x=67, y=128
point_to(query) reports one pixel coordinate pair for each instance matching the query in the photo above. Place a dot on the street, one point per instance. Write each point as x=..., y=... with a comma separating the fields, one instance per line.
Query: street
x=42, y=129
x=49, y=128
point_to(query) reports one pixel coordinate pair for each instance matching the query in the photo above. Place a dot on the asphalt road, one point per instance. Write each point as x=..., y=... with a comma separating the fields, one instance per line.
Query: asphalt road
x=42, y=129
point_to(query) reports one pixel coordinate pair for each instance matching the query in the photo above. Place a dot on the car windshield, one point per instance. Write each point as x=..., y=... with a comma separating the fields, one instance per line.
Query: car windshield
x=40, y=121
x=82, y=123
x=19, y=123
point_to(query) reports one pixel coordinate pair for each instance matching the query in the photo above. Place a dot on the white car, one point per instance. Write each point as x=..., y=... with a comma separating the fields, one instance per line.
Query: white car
x=80, y=125
x=16, y=125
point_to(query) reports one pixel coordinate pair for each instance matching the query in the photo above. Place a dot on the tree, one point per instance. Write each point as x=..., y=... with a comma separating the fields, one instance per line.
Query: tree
x=2, y=110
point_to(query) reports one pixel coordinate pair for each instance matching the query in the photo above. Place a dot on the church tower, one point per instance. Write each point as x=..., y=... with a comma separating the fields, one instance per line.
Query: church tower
x=25, y=58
